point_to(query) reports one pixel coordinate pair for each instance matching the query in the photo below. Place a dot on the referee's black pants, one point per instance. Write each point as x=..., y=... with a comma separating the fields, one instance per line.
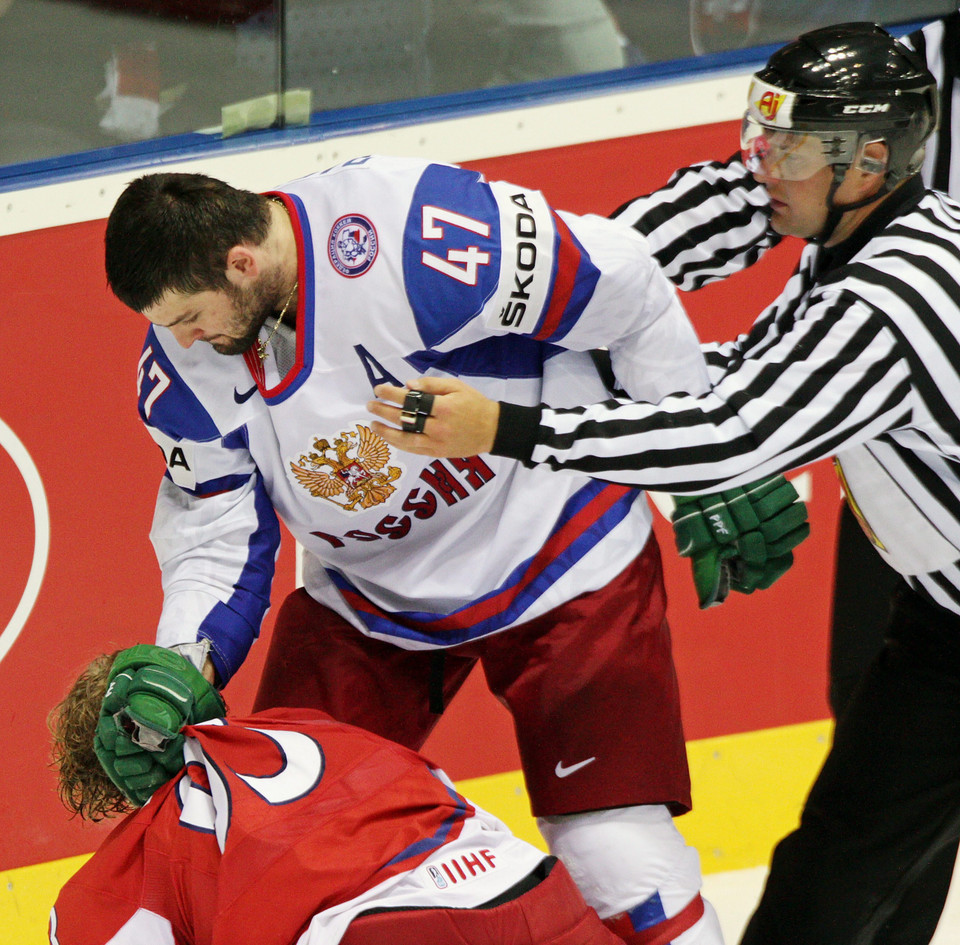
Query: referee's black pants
x=887, y=801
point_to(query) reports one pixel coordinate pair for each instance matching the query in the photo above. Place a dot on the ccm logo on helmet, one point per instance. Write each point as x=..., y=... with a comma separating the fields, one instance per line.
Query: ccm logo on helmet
x=865, y=109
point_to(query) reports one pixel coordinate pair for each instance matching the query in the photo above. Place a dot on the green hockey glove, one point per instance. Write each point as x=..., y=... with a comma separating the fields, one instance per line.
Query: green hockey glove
x=767, y=553
x=152, y=693
x=706, y=534
x=740, y=539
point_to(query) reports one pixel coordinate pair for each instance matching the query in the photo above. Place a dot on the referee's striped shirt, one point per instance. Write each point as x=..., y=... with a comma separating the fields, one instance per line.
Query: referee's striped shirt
x=858, y=358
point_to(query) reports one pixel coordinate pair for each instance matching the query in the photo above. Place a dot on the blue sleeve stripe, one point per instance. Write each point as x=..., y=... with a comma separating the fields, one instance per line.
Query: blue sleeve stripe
x=232, y=627
x=505, y=356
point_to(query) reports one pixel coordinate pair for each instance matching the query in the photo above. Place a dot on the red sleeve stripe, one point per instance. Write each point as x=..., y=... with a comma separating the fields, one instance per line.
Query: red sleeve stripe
x=566, y=265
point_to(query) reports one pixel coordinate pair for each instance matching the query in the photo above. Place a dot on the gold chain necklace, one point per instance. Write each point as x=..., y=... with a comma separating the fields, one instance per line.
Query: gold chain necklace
x=263, y=345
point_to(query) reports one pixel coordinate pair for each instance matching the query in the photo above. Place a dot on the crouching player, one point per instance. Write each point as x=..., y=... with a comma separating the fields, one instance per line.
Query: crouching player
x=283, y=828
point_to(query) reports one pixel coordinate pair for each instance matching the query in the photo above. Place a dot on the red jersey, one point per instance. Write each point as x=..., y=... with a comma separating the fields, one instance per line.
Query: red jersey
x=282, y=828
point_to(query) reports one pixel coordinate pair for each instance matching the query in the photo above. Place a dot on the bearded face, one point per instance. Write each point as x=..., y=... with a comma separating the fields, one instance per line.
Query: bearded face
x=251, y=307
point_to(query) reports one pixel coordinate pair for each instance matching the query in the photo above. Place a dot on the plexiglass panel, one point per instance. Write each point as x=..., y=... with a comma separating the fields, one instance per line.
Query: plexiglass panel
x=77, y=75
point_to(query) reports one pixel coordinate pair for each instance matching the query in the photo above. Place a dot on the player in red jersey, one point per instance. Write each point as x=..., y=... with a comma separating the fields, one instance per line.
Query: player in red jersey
x=290, y=827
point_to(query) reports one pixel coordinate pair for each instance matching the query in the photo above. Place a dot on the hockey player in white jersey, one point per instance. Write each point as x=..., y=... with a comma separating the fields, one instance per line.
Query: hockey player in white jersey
x=416, y=569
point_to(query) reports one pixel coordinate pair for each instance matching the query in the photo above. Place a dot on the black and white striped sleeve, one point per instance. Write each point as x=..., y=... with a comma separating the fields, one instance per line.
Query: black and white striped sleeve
x=709, y=221
x=837, y=377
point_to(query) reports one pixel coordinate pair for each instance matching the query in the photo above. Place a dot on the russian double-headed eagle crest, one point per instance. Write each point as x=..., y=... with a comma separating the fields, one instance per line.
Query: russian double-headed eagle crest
x=354, y=482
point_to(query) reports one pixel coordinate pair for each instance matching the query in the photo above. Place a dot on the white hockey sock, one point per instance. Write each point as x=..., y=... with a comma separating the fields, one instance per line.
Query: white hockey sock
x=633, y=866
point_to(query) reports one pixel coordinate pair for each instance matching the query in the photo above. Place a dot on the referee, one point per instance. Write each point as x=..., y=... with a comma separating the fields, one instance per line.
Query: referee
x=864, y=584
x=859, y=358
x=858, y=617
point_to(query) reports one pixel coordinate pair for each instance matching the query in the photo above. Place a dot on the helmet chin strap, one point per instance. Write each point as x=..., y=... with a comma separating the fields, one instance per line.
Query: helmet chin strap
x=836, y=211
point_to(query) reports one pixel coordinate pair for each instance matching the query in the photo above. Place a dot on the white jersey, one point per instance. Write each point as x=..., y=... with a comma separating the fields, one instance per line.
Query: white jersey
x=407, y=268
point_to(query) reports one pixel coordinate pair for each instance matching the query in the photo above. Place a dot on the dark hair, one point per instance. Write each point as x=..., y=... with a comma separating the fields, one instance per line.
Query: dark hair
x=172, y=232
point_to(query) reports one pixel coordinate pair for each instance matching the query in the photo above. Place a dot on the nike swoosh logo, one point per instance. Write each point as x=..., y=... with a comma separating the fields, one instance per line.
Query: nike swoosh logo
x=244, y=397
x=564, y=772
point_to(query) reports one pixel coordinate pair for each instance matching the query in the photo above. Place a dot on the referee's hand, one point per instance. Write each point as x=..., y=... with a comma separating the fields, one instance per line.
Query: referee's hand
x=461, y=422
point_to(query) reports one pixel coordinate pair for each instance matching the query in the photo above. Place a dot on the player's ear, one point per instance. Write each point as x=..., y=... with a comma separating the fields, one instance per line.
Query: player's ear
x=242, y=264
x=874, y=157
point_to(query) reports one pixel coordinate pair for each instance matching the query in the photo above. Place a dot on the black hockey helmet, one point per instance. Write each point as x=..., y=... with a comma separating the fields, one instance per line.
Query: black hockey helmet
x=821, y=98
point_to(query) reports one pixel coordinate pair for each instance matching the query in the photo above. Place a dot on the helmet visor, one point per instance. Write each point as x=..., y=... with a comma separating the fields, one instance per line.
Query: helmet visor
x=792, y=155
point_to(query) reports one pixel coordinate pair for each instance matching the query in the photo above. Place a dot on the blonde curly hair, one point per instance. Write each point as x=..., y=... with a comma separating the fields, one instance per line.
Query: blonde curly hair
x=83, y=785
